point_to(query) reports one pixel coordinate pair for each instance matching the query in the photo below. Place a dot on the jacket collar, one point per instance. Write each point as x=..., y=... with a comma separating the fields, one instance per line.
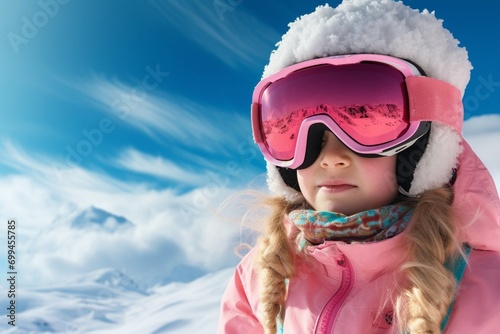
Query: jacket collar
x=368, y=260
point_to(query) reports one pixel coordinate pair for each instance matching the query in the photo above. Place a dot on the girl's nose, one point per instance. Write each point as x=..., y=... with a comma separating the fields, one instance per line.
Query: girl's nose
x=334, y=153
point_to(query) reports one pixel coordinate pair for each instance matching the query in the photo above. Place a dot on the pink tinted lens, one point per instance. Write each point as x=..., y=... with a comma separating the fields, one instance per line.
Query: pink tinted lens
x=366, y=100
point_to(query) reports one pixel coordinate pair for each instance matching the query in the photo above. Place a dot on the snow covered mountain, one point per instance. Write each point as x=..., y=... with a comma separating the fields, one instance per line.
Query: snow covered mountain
x=108, y=301
x=124, y=289
x=93, y=217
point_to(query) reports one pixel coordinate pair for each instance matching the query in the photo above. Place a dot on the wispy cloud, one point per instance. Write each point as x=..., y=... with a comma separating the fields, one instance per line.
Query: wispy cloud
x=163, y=116
x=227, y=31
x=483, y=134
x=482, y=125
x=159, y=167
x=55, y=173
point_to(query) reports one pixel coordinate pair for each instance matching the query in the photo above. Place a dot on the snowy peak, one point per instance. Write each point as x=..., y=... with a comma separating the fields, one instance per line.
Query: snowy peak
x=97, y=302
x=110, y=278
x=93, y=217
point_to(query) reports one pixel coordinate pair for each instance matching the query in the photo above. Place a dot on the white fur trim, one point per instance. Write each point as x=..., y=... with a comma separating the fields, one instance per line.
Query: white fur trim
x=374, y=26
x=278, y=187
x=436, y=166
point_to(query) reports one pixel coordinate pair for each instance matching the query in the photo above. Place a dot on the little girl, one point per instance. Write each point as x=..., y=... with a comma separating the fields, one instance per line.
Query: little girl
x=382, y=220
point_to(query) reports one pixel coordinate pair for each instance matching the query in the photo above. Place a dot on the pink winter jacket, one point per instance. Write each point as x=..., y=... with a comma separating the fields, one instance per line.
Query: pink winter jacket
x=344, y=287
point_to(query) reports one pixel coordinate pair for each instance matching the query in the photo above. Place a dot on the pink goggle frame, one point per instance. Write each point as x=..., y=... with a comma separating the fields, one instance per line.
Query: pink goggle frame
x=376, y=105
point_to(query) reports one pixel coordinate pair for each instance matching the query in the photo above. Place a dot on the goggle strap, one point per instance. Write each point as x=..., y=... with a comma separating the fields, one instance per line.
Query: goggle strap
x=435, y=100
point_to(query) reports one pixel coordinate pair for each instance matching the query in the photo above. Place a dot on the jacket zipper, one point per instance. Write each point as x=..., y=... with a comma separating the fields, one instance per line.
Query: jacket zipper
x=328, y=315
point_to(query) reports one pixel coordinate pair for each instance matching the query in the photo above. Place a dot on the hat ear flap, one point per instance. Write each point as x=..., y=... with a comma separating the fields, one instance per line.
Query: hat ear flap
x=289, y=176
x=439, y=161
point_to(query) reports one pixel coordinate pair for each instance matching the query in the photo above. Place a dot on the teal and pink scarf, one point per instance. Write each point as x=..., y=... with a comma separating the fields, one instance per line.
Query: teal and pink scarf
x=367, y=226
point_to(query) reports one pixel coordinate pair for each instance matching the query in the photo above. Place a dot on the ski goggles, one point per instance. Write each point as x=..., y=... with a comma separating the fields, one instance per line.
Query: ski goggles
x=376, y=105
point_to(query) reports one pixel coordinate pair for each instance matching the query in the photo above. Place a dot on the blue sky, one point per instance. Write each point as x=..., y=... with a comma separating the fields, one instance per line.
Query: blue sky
x=139, y=107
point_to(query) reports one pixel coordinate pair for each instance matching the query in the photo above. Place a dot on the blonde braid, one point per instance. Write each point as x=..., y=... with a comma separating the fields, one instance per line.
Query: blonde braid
x=275, y=262
x=422, y=305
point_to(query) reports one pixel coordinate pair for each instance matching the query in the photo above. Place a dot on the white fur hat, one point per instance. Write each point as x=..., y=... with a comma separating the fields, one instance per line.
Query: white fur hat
x=389, y=28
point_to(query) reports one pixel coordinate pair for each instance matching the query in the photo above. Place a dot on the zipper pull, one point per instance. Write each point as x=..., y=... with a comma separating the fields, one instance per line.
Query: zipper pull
x=342, y=262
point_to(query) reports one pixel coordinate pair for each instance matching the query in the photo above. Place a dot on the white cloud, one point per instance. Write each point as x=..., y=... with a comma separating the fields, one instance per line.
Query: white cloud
x=483, y=135
x=156, y=166
x=482, y=125
x=58, y=174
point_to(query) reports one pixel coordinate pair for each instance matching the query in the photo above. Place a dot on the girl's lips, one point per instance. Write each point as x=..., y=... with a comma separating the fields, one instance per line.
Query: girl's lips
x=336, y=187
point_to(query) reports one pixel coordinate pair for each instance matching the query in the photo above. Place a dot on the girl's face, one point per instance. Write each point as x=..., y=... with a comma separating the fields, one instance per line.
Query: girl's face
x=344, y=182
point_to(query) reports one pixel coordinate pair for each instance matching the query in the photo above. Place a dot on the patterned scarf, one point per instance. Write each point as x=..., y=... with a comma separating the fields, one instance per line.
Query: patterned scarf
x=372, y=225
